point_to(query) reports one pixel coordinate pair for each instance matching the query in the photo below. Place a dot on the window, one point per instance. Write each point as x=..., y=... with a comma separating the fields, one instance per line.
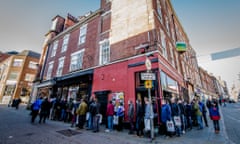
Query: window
x=50, y=68
x=60, y=66
x=13, y=76
x=163, y=41
x=65, y=42
x=54, y=49
x=82, y=36
x=32, y=65
x=104, y=52
x=159, y=11
x=29, y=77
x=76, y=60
x=17, y=62
x=171, y=55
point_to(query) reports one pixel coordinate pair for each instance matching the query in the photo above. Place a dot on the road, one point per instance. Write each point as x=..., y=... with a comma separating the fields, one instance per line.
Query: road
x=231, y=115
x=15, y=128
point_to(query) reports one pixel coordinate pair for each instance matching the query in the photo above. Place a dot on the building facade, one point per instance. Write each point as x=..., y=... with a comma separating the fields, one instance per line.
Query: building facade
x=17, y=74
x=103, y=54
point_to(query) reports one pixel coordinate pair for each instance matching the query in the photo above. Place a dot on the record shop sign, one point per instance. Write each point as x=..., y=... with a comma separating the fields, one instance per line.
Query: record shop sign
x=148, y=76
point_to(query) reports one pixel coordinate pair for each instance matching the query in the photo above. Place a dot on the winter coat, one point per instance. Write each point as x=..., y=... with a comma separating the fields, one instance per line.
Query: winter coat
x=166, y=113
x=110, y=110
x=214, y=113
x=196, y=108
x=82, y=109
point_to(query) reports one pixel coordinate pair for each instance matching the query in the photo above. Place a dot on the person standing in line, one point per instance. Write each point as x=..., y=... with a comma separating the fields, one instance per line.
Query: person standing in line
x=44, y=111
x=131, y=117
x=90, y=118
x=204, y=112
x=198, y=113
x=147, y=117
x=215, y=117
x=95, y=113
x=120, y=114
x=140, y=118
x=165, y=116
x=109, y=114
x=35, y=108
x=81, y=112
x=176, y=112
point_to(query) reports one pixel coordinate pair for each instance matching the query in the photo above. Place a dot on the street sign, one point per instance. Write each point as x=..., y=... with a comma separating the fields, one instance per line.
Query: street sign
x=148, y=64
x=148, y=84
x=148, y=76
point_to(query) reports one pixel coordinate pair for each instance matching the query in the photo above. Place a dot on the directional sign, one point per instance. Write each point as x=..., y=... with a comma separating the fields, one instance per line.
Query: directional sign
x=148, y=76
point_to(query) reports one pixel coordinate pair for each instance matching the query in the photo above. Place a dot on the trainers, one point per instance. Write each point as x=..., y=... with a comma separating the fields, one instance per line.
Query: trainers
x=107, y=130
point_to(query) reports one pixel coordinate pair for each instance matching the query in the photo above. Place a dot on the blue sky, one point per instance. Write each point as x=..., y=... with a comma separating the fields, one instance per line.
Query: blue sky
x=211, y=25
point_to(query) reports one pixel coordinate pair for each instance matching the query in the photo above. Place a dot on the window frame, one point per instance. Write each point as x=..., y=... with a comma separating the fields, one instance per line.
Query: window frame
x=102, y=54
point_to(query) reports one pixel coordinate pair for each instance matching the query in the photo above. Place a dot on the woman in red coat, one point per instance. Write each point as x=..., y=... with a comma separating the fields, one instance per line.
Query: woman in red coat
x=215, y=116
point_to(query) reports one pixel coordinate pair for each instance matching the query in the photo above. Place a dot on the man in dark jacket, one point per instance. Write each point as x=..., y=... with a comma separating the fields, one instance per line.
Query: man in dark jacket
x=44, y=112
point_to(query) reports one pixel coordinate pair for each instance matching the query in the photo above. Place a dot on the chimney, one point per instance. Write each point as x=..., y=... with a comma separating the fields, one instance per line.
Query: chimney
x=70, y=20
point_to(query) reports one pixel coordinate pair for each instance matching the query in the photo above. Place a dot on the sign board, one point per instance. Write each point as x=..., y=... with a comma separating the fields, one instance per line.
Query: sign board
x=181, y=46
x=148, y=76
x=148, y=64
x=148, y=84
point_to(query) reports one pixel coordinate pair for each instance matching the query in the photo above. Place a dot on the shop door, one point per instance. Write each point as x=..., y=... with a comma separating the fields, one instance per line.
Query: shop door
x=102, y=97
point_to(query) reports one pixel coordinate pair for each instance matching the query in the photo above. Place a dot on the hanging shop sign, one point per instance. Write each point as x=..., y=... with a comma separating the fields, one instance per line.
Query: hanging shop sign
x=181, y=46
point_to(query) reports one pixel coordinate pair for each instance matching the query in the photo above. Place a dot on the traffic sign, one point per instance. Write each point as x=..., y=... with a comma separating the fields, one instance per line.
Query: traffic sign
x=148, y=76
x=148, y=84
x=148, y=64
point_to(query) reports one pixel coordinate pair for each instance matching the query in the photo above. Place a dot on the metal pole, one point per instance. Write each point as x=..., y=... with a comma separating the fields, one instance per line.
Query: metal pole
x=151, y=115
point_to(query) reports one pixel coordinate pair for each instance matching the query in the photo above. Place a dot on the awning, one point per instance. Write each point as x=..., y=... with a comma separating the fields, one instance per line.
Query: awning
x=46, y=83
x=74, y=75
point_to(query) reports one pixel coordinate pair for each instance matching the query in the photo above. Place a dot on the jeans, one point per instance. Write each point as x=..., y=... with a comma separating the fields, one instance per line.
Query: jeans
x=200, y=123
x=216, y=125
x=90, y=121
x=110, y=122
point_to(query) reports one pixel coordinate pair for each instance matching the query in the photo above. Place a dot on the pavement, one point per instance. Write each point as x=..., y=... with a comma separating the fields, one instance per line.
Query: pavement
x=51, y=133
x=205, y=136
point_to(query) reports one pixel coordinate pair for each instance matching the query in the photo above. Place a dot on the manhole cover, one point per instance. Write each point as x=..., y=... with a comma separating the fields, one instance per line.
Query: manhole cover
x=68, y=132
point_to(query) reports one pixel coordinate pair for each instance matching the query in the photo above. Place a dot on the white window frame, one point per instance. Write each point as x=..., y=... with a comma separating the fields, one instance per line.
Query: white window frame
x=171, y=55
x=163, y=43
x=60, y=66
x=33, y=65
x=17, y=62
x=76, y=60
x=54, y=48
x=104, y=57
x=29, y=77
x=65, y=42
x=159, y=11
x=50, y=69
x=82, y=34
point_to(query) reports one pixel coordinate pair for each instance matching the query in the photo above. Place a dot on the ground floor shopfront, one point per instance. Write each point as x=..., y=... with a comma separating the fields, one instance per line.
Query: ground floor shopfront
x=121, y=82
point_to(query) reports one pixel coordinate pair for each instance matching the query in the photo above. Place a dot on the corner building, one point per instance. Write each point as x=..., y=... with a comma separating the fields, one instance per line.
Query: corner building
x=103, y=54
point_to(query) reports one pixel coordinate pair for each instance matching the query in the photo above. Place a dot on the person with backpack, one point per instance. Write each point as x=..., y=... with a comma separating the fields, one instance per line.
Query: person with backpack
x=198, y=113
x=204, y=111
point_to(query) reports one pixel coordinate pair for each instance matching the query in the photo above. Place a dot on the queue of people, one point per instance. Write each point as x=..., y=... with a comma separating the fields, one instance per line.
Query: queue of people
x=177, y=116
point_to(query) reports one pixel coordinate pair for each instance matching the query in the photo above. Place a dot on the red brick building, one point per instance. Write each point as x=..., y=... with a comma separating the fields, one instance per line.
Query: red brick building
x=103, y=54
